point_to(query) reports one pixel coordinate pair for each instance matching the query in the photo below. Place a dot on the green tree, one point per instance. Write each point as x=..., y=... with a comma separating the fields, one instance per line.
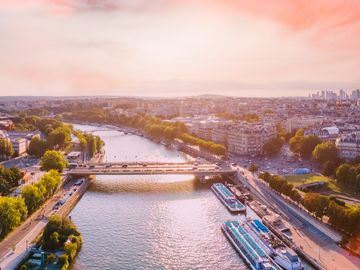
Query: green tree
x=342, y=172
x=50, y=181
x=273, y=146
x=328, y=168
x=53, y=160
x=325, y=151
x=54, y=241
x=59, y=138
x=253, y=168
x=316, y=203
x=33, y=196
x=65, y=230
x=308, y=145
x=9, y=178
x=296, y=141
x=12, y=212
x=37, y=147
x=265, y=176
x=6, y=148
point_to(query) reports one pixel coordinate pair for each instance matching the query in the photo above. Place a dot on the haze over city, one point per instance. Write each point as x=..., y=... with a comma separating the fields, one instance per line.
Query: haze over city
x=178, y=48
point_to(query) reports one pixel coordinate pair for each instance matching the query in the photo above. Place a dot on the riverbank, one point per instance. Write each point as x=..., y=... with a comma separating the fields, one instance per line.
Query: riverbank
x=16, y=246
x=56, y=248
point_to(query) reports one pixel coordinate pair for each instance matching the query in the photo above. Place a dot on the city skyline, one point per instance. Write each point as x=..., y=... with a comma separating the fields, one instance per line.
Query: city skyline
x=178, y=48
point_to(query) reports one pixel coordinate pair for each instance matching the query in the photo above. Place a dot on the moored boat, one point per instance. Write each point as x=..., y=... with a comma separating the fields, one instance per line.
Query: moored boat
x=227, y=198
x=245, y=245
x=273, y=246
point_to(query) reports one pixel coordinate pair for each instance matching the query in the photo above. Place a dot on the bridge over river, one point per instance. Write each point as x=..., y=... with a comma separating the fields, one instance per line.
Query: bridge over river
x=206, y=169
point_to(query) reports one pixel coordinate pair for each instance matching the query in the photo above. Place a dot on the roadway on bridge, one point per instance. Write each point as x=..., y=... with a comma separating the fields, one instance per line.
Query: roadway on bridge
x=155, y=168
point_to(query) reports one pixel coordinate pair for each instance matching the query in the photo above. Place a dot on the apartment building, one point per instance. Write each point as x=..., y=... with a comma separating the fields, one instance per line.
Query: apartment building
x=305, y=122
x=349, y=146
x=20, y=146
x=248, y=139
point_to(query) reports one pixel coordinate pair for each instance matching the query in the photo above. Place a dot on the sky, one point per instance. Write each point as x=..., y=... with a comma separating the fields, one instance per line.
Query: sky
x=178, y=47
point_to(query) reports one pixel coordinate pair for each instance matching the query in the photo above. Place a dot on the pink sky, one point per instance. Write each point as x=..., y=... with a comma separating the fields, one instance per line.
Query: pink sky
x=178, y=47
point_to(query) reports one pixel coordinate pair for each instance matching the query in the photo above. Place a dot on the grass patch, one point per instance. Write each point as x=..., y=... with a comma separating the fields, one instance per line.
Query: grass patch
x=301, y=179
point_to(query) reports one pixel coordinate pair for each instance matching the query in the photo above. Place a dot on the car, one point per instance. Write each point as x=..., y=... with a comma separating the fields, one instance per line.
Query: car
x=124, y=166
x=108, y=166
x=144, y=165
x=91, y=166
x=79, y=182
x=233, y=164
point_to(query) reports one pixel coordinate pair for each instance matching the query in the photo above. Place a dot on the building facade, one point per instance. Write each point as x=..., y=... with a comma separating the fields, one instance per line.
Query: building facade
x=349, y=146
x=20, y=146
x=249, y=139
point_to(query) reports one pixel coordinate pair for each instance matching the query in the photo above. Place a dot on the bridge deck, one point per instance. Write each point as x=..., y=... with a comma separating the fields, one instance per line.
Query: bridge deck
x=149, y=169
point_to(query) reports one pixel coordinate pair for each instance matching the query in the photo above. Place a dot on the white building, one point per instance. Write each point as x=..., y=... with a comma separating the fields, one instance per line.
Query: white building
x=349, y=146
x=297, y=122
x=249, y=139
x=20, y=145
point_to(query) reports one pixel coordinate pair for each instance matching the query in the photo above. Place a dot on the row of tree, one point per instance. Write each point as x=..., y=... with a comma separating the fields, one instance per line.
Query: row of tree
x=340, y=216
x=89, y=142
x=9, y=178
x=279, y=184
x=310, y=146
x=34, y=195
x=153, y=126
x=13, y=211
x=302, y=144
x=215, y=148
x=57, y=134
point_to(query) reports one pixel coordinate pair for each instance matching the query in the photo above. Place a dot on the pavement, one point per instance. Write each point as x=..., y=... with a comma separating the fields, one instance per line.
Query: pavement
x=305, y=236
x=25, y=234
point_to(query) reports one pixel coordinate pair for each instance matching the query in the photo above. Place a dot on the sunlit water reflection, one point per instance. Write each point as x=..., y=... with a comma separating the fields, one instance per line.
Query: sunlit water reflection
x=150, y=222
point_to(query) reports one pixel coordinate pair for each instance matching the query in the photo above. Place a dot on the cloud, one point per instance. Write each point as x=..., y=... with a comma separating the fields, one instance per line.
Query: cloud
x=334, y=23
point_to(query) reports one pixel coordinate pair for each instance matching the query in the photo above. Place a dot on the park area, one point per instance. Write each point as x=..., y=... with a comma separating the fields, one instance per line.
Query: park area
x=330, y=188
x=302, y=179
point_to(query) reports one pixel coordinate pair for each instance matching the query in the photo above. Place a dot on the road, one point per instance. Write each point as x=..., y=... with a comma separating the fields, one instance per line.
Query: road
x=304, y=234
x=23, y=162
x=156, y=168
x=22, y=236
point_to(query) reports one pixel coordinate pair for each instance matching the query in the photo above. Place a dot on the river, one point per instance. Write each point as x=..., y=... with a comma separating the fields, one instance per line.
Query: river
x=150, y=222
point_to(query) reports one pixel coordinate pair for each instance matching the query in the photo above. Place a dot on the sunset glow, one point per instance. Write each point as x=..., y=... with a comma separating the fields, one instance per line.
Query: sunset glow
x=175, y=48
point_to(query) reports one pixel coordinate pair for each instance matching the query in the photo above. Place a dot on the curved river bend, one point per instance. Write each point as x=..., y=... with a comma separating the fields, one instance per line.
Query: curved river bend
x=150, y=222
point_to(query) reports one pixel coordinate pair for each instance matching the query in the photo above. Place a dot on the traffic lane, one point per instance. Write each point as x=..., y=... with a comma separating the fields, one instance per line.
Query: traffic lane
x=24, y=162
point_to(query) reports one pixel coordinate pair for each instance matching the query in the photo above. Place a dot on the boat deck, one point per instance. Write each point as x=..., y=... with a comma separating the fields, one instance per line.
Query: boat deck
x=253, y=252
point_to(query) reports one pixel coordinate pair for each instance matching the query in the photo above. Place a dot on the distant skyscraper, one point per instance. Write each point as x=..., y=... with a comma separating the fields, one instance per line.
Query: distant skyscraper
x=355, y=94
x=342, y=94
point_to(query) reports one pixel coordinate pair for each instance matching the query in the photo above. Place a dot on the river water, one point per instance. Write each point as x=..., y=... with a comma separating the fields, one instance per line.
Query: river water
x=150, y=222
